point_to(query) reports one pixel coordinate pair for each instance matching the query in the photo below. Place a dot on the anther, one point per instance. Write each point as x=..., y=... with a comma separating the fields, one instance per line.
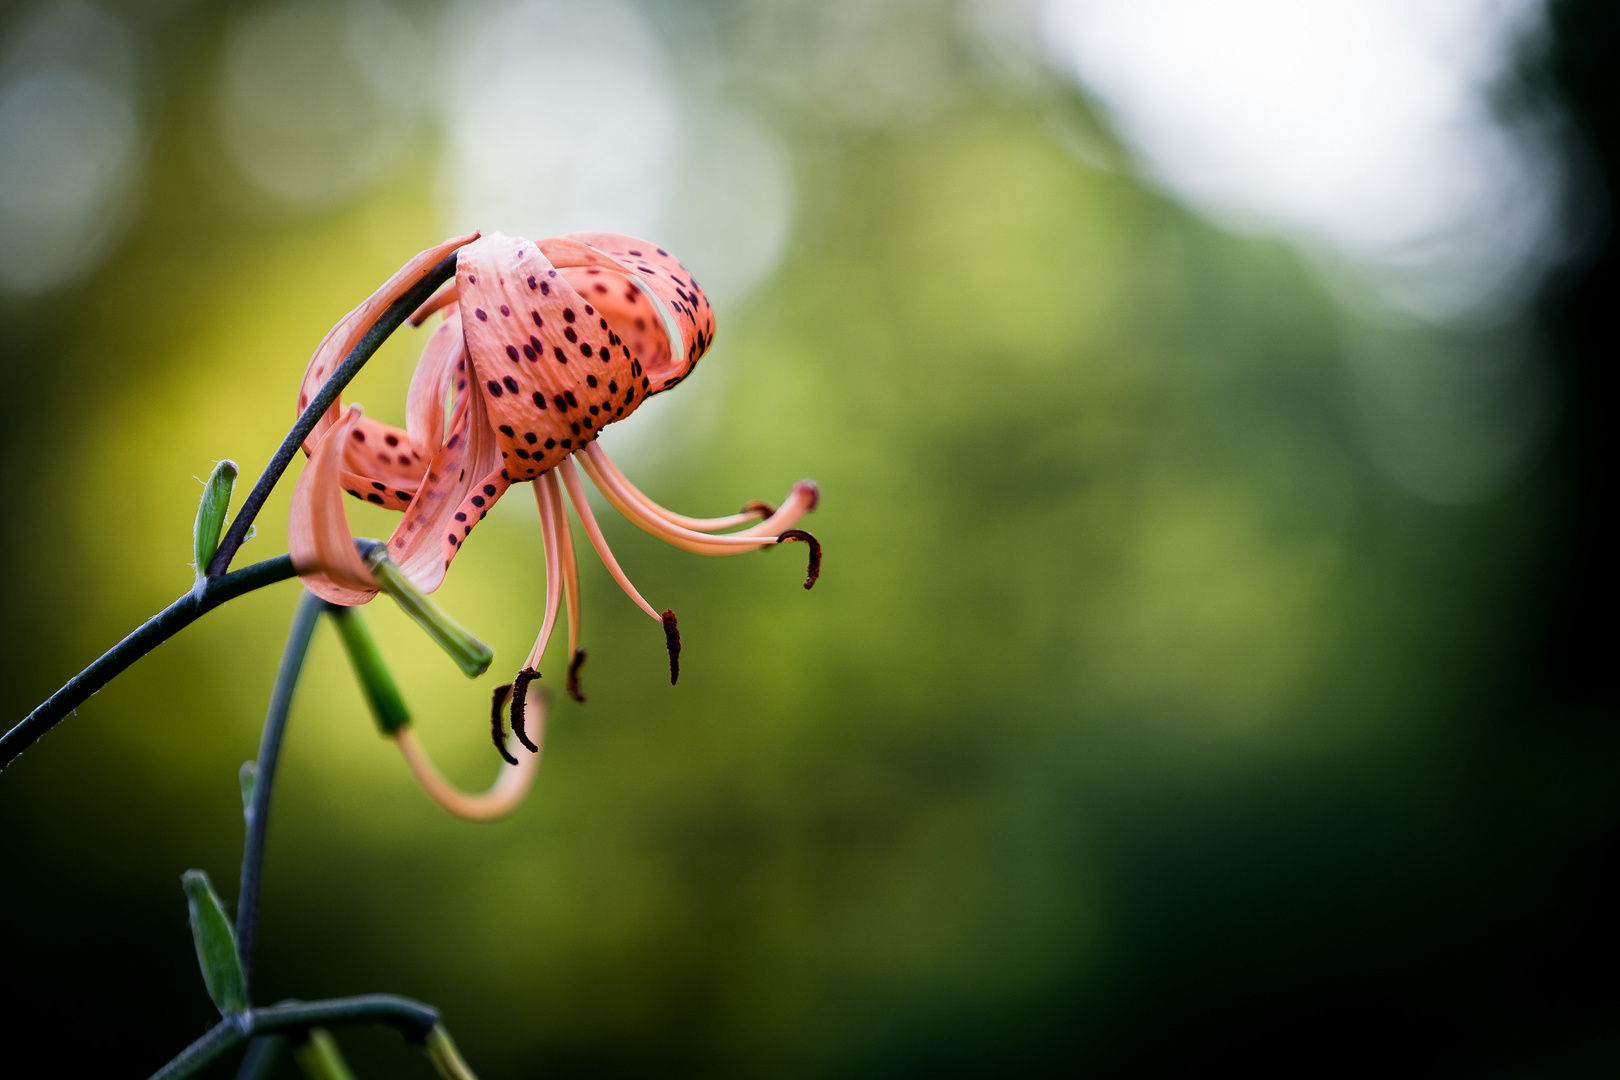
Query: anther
x=497, y=699
x=520, y=697
x=763, y=509
x=814, y=570
x=573, y=676
x=672, y=642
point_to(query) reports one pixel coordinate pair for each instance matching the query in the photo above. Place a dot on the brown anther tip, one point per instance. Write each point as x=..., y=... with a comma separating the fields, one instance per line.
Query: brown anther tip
x=496, y=700
x=815, y=493
x=672, y=642
x=520, y=699
x=814, y=570
x=763, y=509
x=573, y=676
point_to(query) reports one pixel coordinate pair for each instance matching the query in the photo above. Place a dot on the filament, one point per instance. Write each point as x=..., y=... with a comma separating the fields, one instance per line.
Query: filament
x=576, y=492
x=505, y=795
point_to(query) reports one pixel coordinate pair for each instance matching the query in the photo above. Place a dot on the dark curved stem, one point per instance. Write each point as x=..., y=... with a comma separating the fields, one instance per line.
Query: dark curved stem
x=386, y=324
x=309, y=610
x=412, y=1019
x=218, y=586
x=152, y=633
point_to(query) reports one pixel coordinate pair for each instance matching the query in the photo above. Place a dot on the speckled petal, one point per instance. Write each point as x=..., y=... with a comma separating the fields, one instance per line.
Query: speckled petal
x=664, y=275
x=548, y=366
x=353, y=326
x=462, y=482
x=318, y=533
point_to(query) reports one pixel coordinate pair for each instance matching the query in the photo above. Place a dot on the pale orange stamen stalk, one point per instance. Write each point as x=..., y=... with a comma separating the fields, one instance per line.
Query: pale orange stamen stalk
x=752, y=513
x=500, y=799
x=582, y=506
x=570, y=576
x=548, y=538
x=618, y=492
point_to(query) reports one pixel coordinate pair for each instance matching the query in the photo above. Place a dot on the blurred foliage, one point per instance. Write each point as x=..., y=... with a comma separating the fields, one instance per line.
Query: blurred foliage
x=1134, y=717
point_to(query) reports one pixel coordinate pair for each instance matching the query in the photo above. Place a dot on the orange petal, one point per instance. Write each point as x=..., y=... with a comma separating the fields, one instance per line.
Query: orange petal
x=353, y=326
x=380, y=465
x=673, y=284
x=550, y=368
x=462, y=482
x=318, y=533
x=435, y=372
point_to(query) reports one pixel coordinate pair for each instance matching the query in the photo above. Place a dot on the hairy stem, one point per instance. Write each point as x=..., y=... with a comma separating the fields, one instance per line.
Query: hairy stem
x=257, y=813
x=152, y=633
x=389, y=321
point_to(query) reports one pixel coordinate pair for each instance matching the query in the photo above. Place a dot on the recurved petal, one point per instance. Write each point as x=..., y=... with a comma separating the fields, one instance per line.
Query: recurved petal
x=665, y=276
x=424, y=403
x=352, y=327
x=380, y=465
x=318, y=535
x=547, y=363
x=462, y=482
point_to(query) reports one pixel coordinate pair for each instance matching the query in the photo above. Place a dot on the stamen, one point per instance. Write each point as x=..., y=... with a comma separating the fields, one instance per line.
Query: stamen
x=497, y=699
x=576, y=493
x=443, y=298
x=672, y=642
x=549, y=512
x=520, y=698
x=804, y=496
x=616, y=490
x=504, y=795
x=570, y=576
x=574, y=665
x=814, y=570
x=595, y=455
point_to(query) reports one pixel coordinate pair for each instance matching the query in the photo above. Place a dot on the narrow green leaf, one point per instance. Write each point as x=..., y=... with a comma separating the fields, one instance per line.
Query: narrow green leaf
x=470, y=654
x=216, y=944
x=320, y=1057
x=387, y=705
x=216, y=500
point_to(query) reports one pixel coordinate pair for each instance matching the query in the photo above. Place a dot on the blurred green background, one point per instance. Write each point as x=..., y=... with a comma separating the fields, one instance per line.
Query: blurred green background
x=1139, y=723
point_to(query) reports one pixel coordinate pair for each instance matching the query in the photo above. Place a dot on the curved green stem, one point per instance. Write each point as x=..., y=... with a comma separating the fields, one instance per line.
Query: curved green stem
x=205, y=597
x=417, y=1022
x=257, y=811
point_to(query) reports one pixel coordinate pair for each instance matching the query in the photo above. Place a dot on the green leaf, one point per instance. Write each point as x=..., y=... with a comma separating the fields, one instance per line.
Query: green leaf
x=216, y=944
x=216, y=500
x=387, y=705
x=470, y=654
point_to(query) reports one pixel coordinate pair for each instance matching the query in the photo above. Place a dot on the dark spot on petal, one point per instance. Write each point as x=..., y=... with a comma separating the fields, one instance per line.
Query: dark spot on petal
x=511, y=384
x=506, y=429
x=493, y=387
x=511, y=351
x=478, y=500
x=489, y=489
x=374, y=497
x=480, y=313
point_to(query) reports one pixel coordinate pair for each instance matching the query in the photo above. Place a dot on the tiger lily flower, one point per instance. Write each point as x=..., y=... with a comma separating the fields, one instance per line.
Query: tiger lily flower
x=541, y=346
